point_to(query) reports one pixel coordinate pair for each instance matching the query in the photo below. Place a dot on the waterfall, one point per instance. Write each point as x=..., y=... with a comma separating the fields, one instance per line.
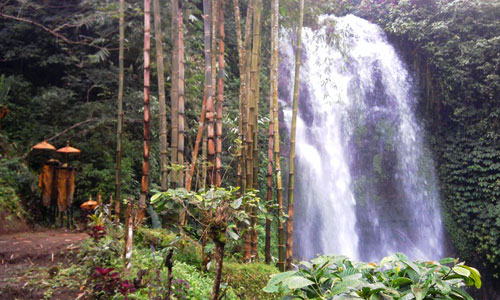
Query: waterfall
x=365, y=182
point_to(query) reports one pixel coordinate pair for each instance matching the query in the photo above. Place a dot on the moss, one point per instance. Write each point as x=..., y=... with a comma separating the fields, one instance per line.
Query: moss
x=248, y=280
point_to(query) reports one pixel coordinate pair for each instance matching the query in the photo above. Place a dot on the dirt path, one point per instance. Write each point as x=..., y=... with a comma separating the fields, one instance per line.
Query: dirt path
x=29, y=258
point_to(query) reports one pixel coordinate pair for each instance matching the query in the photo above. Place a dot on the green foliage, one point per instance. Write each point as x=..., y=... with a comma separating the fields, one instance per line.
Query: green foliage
x=200, y=285
x=187, y=250
x=395, y=278
x=17, y=187
x=10, y=202
x=202, y=206
x=248, y=280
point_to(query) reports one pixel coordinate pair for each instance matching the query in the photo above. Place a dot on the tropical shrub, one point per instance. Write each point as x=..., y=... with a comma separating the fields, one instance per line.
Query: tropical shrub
x=247, y=280
x=394, y=278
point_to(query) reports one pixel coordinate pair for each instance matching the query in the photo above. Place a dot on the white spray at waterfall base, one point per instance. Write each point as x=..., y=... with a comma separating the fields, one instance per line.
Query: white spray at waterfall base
x=365, y=182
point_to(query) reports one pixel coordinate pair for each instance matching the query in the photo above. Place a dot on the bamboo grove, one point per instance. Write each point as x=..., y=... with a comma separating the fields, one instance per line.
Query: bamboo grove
x=178, y=171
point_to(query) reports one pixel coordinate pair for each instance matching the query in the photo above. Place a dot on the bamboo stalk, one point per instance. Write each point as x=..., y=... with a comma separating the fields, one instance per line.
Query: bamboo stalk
x=119, y=130
x=207, y=10
x=161, y=96
x=220, y=94
x=275, y=116
x=273, y=138
x=199, y=135
x=181, y=99
x=174, y=96
x=255, y=88
x=291, y=181
x=241, y=59
x=147, y=115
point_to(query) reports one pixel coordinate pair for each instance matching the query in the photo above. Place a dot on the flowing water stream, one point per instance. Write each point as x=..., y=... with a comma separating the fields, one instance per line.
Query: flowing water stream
x=365, y=183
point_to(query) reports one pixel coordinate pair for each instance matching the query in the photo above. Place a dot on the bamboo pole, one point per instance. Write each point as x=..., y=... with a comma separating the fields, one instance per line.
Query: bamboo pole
x=181, y=99
x=119, y=130
x=273, y=132
x=255, y=92
x=277, y=158
x=209, y=118
x=161, y=96
x=241, y=59
x=147, y=115
x=245, y=130
x=291, y=181
x=220, y=93
x=174, y=96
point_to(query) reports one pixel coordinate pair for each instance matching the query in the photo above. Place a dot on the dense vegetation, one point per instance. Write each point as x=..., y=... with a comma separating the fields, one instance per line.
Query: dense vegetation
x=59, y=80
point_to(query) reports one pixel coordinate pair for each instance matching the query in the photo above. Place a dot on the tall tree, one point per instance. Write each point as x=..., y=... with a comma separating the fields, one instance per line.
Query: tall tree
x=174, y=91
x=277, y=158
x=181, y=122
x=220, y=93
x=209, y=118
x=255, y=92
x=119, y=130
x=161, y=96
x=291, y=180
x=273, y=136
x=246, y=116
x=243, y=46
x=147, y=114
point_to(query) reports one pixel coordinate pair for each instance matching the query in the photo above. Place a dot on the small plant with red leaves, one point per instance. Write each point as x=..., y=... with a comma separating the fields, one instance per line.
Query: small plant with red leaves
x=107, y=282
x=97, y=227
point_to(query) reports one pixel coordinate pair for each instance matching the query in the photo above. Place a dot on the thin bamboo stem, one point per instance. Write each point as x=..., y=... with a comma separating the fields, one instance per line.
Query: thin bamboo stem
x=161, y=96
x=119, y=130
x=275, y=108
x=291, y=181
x=147, y=115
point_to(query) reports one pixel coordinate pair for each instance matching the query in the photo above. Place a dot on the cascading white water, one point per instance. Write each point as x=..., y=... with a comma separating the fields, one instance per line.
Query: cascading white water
x=365, y=184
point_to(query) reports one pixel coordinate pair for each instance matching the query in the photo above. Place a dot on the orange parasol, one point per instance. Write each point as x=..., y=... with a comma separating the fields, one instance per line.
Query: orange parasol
x=69, y=150
x=43, y=146
x=91, y=204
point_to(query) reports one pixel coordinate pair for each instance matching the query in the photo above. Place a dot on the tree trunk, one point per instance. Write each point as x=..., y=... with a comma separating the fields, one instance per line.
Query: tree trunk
x=161, y=96
x=169, y=264
x=207, y=11
x=147, y=115
x=255, y=87
x=218, y=234
x=241, y=173
x=180, y=111
x=273, y=93
x=174, y=96
x=274, y=99
x=119, y=130
x=199, y=135
x=220, y=94
x=219, y=259
x=269, y=180
x=248, y=119
x=204, y=169
x=291, y=181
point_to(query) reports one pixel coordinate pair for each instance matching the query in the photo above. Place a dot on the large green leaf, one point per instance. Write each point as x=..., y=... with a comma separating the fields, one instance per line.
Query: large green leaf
x=296, y=282
x=475, y=275
x=401, y=281
x=461, y=271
